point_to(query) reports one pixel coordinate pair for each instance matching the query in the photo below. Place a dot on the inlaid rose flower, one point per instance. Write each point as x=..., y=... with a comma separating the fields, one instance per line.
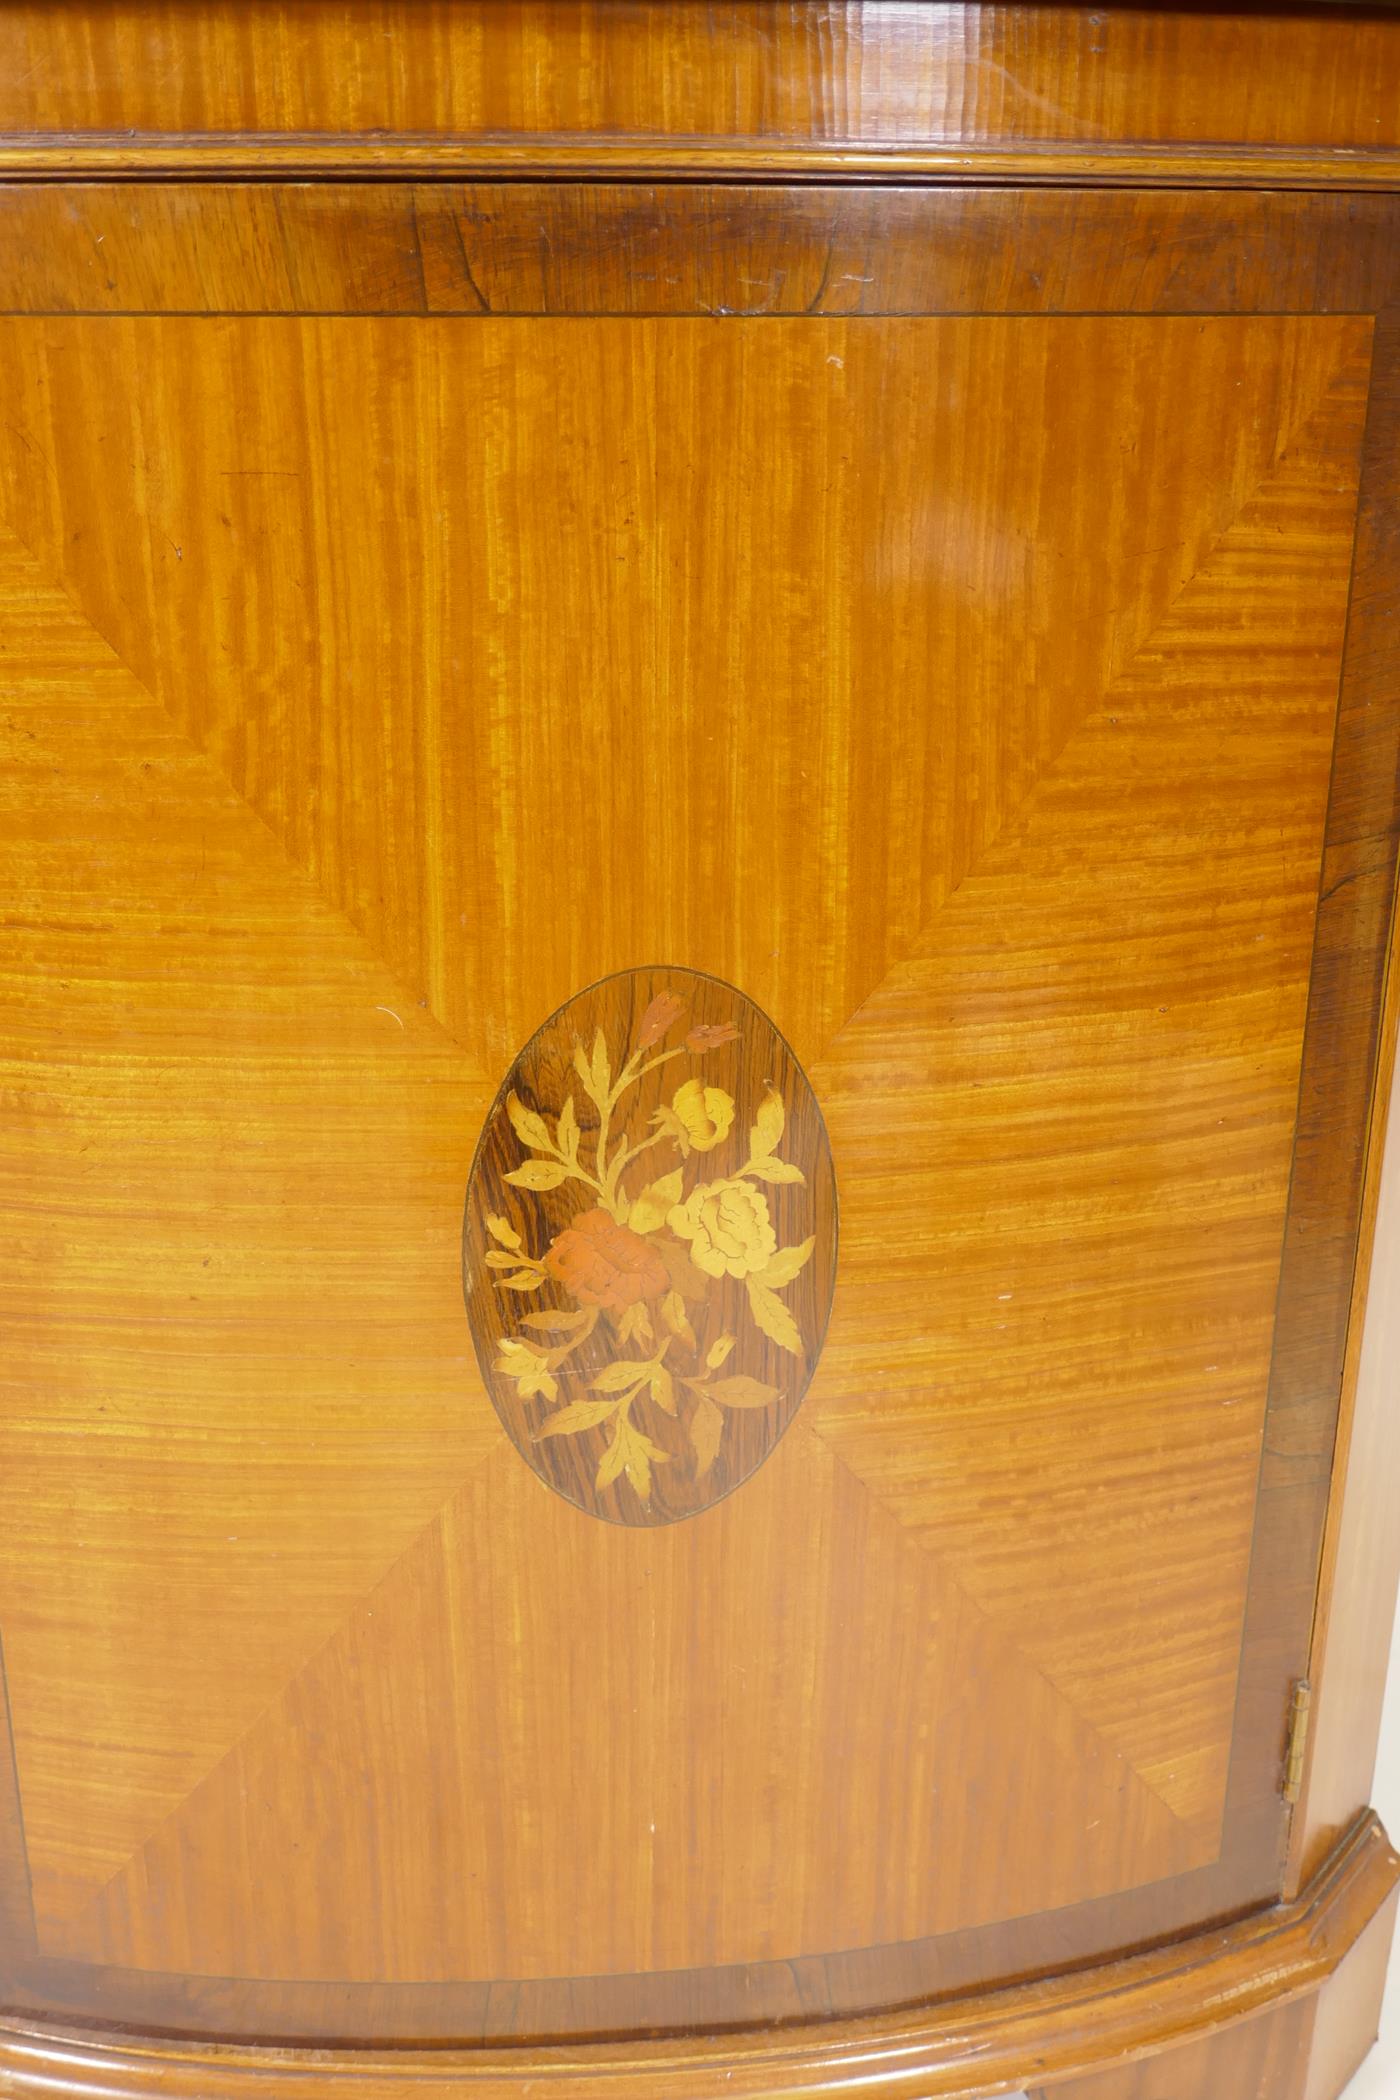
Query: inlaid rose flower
x=728, y=1227
x=603, y=1263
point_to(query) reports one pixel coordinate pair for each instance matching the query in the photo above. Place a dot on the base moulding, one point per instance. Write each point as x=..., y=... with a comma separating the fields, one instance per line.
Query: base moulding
x=1279, y=2005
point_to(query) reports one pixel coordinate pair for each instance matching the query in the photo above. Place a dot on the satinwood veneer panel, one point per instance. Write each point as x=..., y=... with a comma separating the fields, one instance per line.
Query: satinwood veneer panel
x=963, y=689
x=430, y=593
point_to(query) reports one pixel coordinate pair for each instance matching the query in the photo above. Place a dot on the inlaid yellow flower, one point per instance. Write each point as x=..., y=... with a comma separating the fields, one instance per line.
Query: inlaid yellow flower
x=704, y=1115
x=728, y=1227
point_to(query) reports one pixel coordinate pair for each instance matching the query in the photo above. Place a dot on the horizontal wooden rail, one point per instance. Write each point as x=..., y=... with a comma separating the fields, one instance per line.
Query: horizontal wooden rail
x=236, y=156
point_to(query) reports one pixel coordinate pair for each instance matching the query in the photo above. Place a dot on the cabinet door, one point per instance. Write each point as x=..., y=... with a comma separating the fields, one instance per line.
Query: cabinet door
x=796, y=788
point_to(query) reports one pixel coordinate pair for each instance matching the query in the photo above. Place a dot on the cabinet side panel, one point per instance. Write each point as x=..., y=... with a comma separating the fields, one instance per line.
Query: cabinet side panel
x=1361, y=1549
x=1327, y=1233
x=1362, y=1555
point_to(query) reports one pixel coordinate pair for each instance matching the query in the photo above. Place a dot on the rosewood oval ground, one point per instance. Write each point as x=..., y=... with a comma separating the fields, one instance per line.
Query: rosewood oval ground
x=649, y=1247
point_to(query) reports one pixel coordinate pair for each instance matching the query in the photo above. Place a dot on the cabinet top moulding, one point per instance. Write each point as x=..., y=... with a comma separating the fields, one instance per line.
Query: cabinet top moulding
x=641, y=88
x=251, y=157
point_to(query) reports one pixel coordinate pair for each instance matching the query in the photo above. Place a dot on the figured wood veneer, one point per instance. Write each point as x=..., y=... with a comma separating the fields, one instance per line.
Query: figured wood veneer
x=1096, y=784
x=962, y=620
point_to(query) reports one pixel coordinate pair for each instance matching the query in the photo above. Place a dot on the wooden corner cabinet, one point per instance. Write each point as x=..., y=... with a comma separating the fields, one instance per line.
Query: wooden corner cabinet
x=701, y=774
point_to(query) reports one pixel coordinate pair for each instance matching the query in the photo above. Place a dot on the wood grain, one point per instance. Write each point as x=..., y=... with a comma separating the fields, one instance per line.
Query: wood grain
x=1339, y=1080
x=982, y=2045
x=187, y=999
x=16, y=1896
x=1348, y=2008
x=593, y=1808
x=920, y=608
x=528, y=70
x=1022, y=1009
x=126, y=157
x=1361, y=1559
x=165, y=565
x=707, y=248
x=1308, y=2049
x=1266, y=2058
x=328, y=580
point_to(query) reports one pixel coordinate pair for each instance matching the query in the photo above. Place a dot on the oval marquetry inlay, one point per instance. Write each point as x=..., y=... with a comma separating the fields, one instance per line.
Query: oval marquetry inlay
x=649, y=1248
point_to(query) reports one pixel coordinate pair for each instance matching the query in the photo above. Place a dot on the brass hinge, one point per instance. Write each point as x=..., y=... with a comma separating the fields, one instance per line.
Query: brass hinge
x=1296, y=1751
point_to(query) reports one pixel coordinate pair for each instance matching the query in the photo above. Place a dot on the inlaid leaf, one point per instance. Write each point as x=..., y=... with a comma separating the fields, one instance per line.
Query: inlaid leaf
x=673, y=1312
x=620, y=1377
x=614, y=1458
x=635, y=1325
x=577, y=1416
x=768, y=1126
x=692, y=1284
x=786, y=1264
x=557, y=1322
x=741, y=1391
x=655, y=1204
x=641, y=1455
x=774, y=1170
x=513, y=1350
x=500, y=1229
x=663, y=1390
x=718, y=1351
x=522, y=1280
x=497, y=1259
x=600, y=1071
x=539, y=1174
x=706, y=1428
x=530, y=1128
x=670, y=1125
x=530, y=1371
x=638, y=1468
x=773, y=1317
x=568, y=1128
